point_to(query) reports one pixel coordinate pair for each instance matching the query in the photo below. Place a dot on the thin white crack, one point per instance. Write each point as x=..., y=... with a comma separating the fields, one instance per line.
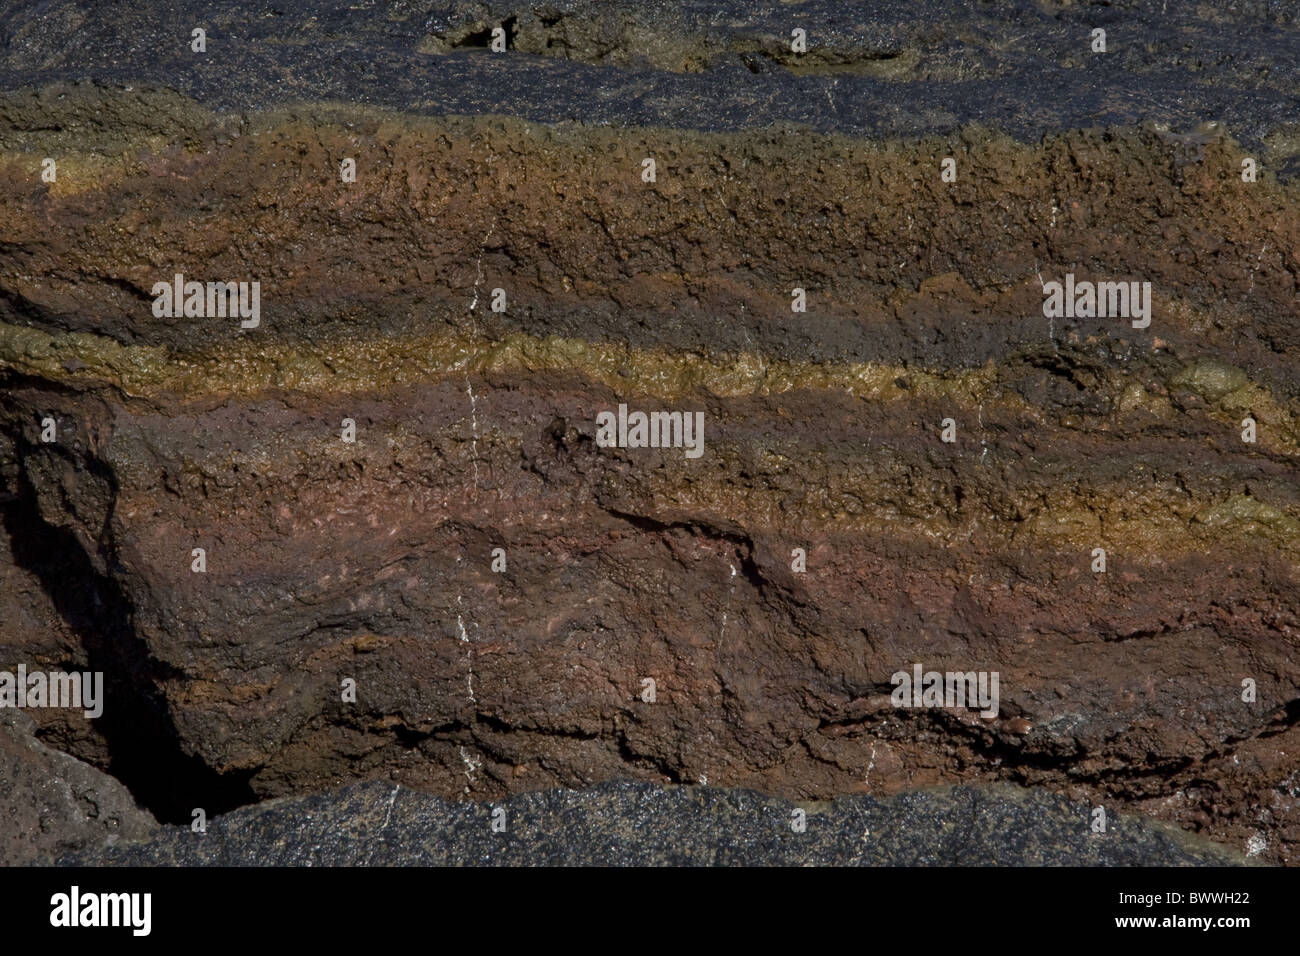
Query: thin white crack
x=471, y=765
x=1258, y=262
x=1051, y=322
x=392, y=798
x=473, y=423
x=469, y=387
x=983, y=444
x=726, y=609
x=469, y=657
x=478, y=269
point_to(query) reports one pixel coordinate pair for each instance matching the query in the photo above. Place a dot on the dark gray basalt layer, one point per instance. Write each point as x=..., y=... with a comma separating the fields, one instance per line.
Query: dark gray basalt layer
x=632, y=824
x=891, y=69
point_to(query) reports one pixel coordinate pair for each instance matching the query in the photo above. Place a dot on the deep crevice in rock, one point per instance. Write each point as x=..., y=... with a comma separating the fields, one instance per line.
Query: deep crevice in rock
x=144, y=752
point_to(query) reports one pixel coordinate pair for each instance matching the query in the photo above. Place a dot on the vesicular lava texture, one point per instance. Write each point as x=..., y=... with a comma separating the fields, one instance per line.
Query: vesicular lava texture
x=475, y=429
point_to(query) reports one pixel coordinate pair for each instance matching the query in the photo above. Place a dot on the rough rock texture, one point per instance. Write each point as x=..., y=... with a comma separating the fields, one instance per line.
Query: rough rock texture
x=522, y=171
x=891, y=68
x=636, y=824
x=52, y=803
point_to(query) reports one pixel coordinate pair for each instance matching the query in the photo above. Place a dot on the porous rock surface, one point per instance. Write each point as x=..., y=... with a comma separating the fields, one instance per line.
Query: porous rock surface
x=640, y=824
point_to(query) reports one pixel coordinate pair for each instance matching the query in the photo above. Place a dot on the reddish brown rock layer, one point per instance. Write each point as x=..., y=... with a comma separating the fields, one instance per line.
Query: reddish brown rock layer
x=372, y=561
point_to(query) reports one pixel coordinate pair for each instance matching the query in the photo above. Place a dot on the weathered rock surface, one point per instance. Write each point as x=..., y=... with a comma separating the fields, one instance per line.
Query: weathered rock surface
x=372, y=561
x=52, y=804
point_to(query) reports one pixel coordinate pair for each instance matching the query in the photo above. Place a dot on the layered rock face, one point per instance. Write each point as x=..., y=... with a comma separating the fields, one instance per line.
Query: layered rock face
x=374, y=528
